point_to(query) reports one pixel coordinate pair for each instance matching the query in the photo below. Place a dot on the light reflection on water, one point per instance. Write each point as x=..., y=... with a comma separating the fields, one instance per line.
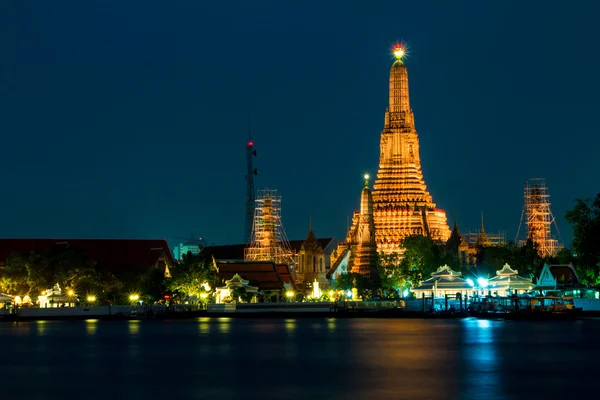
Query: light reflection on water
x=91, y=326
x=134, y=327
x=41, y=327
x=302, y=358
x=482, y=364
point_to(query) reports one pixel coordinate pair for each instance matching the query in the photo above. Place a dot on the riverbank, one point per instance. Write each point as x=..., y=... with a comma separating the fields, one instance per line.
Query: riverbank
x=383, y=314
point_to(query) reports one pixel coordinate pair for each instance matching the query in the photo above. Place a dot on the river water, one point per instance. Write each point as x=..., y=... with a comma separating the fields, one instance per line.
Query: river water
x=315, y=359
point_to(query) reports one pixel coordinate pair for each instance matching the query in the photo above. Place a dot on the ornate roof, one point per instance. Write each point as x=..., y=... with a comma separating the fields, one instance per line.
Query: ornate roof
x=445, y=270
x=236, y=280
x=507, y=271
x=311, y=244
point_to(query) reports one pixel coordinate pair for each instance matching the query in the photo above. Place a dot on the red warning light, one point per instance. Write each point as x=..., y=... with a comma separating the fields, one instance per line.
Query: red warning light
x=250, y=144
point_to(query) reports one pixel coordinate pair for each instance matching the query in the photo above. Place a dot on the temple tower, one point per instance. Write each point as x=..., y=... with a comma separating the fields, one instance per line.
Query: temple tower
x=402, y=206
x=268, y=241
x=539, y=219
x=361, y=238
x=311, y=261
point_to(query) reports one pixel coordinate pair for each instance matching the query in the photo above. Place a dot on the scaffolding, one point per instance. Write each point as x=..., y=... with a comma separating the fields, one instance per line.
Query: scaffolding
x=485, y=239
x=539, y=219
x=268, y=240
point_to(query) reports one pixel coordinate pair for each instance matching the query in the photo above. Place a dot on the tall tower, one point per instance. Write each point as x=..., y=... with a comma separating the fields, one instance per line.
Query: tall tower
x=539, y=219
x=361, y=238
x=268, y=241
x=250, y=196
x=402, y=206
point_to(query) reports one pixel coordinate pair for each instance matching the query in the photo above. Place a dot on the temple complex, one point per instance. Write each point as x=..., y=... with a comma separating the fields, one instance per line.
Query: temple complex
x=361, y=238
x=402, y=206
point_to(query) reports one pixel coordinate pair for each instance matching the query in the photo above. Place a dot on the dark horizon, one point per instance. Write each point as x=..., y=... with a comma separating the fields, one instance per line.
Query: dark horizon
x=131, y=122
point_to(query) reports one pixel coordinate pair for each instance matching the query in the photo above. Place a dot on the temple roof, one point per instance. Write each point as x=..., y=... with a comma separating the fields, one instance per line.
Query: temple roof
x=236, y=251
x=507, y=270
x=446, y=271
x=311, y=244
x=110, y=254
x=266, y=274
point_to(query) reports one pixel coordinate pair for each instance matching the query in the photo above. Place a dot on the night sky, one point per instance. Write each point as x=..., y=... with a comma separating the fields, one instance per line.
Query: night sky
x=129, y=119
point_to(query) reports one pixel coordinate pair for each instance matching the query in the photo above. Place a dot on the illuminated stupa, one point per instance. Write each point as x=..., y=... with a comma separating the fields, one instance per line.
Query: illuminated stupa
x=361, y=238
x=402, y=206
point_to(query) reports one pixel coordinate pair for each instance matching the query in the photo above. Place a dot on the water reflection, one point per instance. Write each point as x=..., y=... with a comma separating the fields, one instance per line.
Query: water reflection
x=482, y=363
x=224, y=324
x=41, y=327
x=290, y=325
x=204, y=325
x=331, y=324
x=91, y=326
x=134, y=327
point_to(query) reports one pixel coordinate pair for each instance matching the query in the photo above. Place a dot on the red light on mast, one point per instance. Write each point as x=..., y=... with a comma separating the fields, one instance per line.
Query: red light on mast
x=250, y=144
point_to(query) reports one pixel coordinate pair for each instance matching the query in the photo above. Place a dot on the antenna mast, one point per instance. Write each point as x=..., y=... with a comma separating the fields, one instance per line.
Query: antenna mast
x=250, y=193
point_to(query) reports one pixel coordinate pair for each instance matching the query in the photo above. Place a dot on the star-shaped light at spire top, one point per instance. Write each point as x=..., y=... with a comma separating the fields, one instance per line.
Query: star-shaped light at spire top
x=399, y=51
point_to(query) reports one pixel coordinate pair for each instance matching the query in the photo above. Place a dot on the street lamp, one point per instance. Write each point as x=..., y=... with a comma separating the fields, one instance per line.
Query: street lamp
x=91, y=299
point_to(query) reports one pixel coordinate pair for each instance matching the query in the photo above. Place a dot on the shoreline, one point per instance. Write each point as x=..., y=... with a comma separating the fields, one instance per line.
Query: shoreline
x=188, y=315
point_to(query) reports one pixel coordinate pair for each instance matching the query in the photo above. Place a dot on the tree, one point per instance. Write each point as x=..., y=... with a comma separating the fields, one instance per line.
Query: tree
x=421, y=258
x=153, y=285
x=14, y=276
x=391, y=274
x=584, y=217
x=189, y=276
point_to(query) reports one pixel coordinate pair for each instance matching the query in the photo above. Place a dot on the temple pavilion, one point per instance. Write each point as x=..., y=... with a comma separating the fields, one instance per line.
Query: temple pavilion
x=507, y=282
x=223, y=293
x=444, y=281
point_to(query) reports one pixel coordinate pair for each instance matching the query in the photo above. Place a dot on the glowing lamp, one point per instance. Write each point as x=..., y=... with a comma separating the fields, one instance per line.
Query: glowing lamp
x=70, y=293
x=399, y=52
x=91, y=299
x=405, y=293
x=203, y=295
x=470, y=282
x=289, y=294
x=134, y=297
x=366, y=176
x=482, y=282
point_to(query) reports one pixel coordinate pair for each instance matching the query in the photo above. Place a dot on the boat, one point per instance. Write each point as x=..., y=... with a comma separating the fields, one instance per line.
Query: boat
x=525, y=308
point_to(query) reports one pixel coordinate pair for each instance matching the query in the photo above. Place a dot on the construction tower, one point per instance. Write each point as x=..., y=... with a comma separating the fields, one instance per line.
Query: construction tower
x=268, y=240
x=539, y=219
x=250, y=196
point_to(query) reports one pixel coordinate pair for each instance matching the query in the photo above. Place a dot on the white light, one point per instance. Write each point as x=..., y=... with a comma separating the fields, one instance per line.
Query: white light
x=349, y=293
x=405, y=293
x=482, y=282
x=470, y=282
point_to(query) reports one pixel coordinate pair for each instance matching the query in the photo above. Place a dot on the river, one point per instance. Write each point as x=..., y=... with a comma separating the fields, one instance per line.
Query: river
x=315, y=359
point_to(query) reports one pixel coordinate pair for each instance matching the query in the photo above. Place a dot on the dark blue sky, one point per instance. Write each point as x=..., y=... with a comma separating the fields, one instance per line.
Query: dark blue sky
x=129, y=119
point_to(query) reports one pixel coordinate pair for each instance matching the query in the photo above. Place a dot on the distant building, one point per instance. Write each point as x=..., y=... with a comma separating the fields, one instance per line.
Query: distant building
x=184, y=248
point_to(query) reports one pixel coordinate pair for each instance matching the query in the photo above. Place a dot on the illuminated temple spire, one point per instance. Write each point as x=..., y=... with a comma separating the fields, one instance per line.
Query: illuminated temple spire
x=363, y=248
x=402, y=206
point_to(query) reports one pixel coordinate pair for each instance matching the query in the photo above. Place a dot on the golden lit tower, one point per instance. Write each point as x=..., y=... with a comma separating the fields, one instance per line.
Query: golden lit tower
x=361, y=238
x=402, y=206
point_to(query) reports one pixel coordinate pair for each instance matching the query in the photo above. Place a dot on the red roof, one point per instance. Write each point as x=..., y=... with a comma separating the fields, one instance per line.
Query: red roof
x=564, y=274
x=110, y=254
x=264, y=273
x=236, y=251
x=284, y=273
